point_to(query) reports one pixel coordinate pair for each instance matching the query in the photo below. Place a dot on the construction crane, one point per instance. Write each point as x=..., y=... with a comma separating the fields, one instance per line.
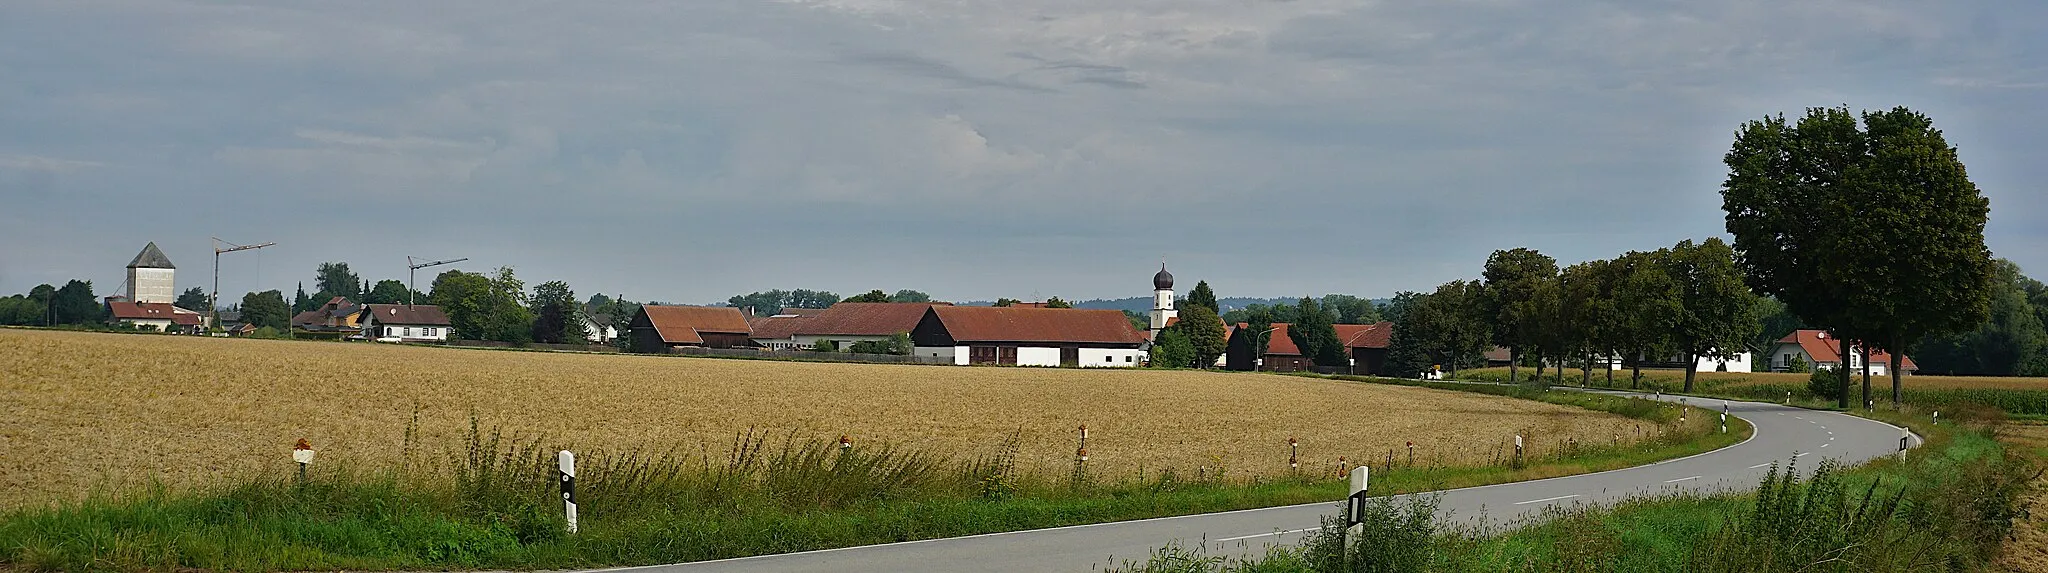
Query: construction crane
x=214, y=301
x=413, y=268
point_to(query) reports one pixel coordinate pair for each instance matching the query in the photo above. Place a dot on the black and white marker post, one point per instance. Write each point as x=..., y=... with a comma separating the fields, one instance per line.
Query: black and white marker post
x=567, y=463
x=1905, y=436
x=1354, y=506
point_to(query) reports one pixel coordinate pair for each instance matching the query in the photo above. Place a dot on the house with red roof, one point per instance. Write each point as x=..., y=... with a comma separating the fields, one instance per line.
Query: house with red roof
x=1365, y=345
x=155, y=315
x=660, y=329
x=1017, y=336
x=839, y=326
x=1822, y=351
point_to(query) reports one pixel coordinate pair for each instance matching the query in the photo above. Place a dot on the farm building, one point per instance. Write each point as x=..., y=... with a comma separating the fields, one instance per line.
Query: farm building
x=404, y=322
x=598, y=329
x=843, y=324
x=1364, y=344
x=1028, y=336
x=1823, y=352
x=657, y=329
x=338, y=314
x=157, y=315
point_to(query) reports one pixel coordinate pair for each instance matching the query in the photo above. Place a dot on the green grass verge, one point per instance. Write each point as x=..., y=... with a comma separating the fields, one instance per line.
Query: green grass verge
x=491, y=504
x=1947, y=507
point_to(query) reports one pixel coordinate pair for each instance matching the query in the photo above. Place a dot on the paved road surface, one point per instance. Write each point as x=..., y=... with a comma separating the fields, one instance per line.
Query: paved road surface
x=1781, y=433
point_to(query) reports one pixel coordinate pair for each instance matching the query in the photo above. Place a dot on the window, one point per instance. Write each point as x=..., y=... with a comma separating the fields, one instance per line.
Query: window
x=408, y=331
x=387, y=331
x=1130, y=359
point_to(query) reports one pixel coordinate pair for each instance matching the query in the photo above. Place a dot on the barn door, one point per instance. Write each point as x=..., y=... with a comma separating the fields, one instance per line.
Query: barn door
x=981, y=355
x=1006, y=355
x=1070, y=356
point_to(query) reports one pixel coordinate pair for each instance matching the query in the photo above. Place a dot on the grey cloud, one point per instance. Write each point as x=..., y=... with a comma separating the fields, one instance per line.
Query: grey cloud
x=912, y=64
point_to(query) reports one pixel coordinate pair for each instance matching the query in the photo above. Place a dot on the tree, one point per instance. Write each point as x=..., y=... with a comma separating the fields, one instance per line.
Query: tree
x=1055, y=302
x=76, y=304
x=2012, y=343
x=485, y=307
x=387, y=291
x=871, y=296
x=1172, y=350
x=1775, y=322
x=302, y=302
x=1314, y=334
x=1007, y=302
x=46, y=294
x=194, y=299
x=773, y=301
x=1586, y=304
x=1647, y=300
x=1873, y=232
x=1716, y=317
x=907, y=295
x=336, y=280
x=556, y=316
x=1459, y=329
x=1204, y=331
x=1351, y=310
x=1202, y=296
x=1409, y=350
x=1513, y=279
x=266, y=310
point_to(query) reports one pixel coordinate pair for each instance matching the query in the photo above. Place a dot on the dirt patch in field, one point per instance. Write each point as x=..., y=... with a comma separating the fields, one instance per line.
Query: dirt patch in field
x=89, y=410
x=2028, y=550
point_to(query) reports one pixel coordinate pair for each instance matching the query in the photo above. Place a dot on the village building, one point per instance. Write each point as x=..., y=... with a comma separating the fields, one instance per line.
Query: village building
x=159, y=316
x=151, y=277
x=1028, y=337
x=402, y=323
x=1365, y=349
x=1822, y=351
x=660, y=329
x=338, y=315
x=598, y=329
x=839, y=326
x=1163, y=310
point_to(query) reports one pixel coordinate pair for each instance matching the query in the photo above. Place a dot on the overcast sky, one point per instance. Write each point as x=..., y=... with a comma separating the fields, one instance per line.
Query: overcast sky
x=690, y=150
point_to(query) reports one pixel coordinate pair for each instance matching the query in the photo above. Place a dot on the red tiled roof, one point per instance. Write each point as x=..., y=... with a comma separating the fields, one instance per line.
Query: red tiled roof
x=800, y=312
x=1824, y=348
x=1013, y=324
x=866, y=319
x=154, y=311
x=680, y=324
x=399, y=314
x=1353, y=335
x=777, y=327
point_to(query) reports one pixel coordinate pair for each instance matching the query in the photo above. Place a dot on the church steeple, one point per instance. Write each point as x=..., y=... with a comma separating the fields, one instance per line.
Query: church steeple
x=1162, y=300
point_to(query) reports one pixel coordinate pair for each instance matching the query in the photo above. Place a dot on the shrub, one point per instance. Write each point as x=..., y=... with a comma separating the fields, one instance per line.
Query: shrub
x=1825, y=384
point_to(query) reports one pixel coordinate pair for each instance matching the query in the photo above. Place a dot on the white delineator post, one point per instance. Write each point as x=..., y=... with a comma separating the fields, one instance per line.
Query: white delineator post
x=1518, y=449
x=1354, y=506
x=1724, y=422
x=1937, y=417
x=567, y=463
x=1905, y=436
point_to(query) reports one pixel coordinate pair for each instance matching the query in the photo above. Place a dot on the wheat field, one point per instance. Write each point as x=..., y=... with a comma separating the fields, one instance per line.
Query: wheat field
x=102, y=412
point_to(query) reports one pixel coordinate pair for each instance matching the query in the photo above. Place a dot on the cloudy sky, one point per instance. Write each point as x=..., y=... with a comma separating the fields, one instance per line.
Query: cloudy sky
x=690, y=150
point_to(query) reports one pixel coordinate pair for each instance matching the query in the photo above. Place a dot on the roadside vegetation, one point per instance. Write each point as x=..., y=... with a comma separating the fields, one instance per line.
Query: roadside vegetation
x=1949, y=506
x=492, y=501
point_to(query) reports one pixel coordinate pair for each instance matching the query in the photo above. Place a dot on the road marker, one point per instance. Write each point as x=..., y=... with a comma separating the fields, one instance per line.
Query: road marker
x=1273, y=534
x=1546, y=499
x=1759, y=465
x=566, y=462
x=1681, y=479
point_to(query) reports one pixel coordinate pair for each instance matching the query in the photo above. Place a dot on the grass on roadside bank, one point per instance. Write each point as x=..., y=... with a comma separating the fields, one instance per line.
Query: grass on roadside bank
x=2017, y=397
x=491, y=503
x=1948, y=507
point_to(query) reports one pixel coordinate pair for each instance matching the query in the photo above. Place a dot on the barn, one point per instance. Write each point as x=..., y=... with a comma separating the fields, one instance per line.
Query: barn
x=657, y=329
x=1014, y=336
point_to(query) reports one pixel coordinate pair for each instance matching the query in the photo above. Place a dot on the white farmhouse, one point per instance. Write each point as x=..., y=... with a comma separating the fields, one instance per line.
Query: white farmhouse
x=1820, y=351
x=1019, y=336
x=403, y=323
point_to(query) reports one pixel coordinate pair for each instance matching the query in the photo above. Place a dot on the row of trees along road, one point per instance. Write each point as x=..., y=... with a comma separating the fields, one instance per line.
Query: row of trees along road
x=1872, y=231
x=1685, y=301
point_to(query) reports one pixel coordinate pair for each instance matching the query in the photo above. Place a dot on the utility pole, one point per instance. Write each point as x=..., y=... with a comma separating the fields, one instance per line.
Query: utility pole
x=412, y=269
x=213, y=302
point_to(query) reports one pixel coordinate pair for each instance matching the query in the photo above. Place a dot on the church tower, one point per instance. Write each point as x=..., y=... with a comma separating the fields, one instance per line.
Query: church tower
x=150, y=277
x=1162, y=300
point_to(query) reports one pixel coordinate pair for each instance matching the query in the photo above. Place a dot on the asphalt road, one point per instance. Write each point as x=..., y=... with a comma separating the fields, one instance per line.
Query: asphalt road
x=1781, y=434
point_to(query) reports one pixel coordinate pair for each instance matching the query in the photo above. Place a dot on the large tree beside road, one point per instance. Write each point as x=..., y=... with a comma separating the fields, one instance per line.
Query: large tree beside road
x=1512, y=299
x=1873, y=231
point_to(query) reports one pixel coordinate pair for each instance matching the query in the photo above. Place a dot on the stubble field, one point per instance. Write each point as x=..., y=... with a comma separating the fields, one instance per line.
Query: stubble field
x=109, y=411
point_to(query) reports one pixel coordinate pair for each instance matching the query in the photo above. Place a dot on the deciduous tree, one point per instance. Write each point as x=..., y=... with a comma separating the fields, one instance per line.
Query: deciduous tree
x=1204, y=331
x=336, y=279
x=1716, y=317
x=871, y=296
x=386, y=291
x=266, y=310
x=1510, y=299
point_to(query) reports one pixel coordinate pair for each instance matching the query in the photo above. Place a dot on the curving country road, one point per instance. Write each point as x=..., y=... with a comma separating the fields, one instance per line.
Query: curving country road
x=1782, y=433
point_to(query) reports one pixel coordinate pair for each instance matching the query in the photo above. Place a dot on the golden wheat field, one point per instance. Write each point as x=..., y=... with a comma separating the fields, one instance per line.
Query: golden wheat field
x=88, y=411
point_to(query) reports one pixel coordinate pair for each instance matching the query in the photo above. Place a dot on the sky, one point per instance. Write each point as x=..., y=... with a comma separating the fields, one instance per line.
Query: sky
x=686, y=151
